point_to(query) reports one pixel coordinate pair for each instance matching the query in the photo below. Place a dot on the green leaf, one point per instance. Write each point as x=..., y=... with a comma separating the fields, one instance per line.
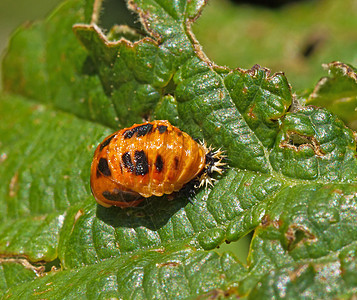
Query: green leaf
x=314, y=144
x=329, y=276
x=338, y=92
x=305, y=225
x=44, y=62
x=16, y=271
x=41, y=175
x=154, y=275
x=291, y=175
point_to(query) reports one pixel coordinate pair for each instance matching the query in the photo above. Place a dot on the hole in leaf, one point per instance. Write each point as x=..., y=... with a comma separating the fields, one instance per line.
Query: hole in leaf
x=295, y=140
x=120, y=21
x=56, y=264
x=298, y=140
x=170, y=88
x=297, y=235
x=239, y=248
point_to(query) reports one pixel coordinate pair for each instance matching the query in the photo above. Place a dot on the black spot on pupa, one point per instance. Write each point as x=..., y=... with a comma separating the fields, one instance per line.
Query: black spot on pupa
x=103, y=167
x=179, y=133
x=162, y=128
x=176, y=159
x=142, y=166
x=144, y=129
x=139, y=130
x=106, y=142
x=130, y=133
x=127, y=161
x=98, y=174
x=159, y=164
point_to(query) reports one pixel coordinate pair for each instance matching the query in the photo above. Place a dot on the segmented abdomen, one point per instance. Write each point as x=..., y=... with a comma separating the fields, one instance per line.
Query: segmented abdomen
x=153, y=158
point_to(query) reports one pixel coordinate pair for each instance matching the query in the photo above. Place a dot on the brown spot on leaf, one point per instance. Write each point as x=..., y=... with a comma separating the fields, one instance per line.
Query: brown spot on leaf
x=250, y=112
x=42, y=292
x=231, y=292
x=297, y=272
x=159, y=250
x=169, y=264
x=13, y=186
x=338, y=191
x=266, y=221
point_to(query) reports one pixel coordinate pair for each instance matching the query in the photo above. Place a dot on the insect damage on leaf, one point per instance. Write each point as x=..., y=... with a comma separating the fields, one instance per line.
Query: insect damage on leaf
x=297, y=142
